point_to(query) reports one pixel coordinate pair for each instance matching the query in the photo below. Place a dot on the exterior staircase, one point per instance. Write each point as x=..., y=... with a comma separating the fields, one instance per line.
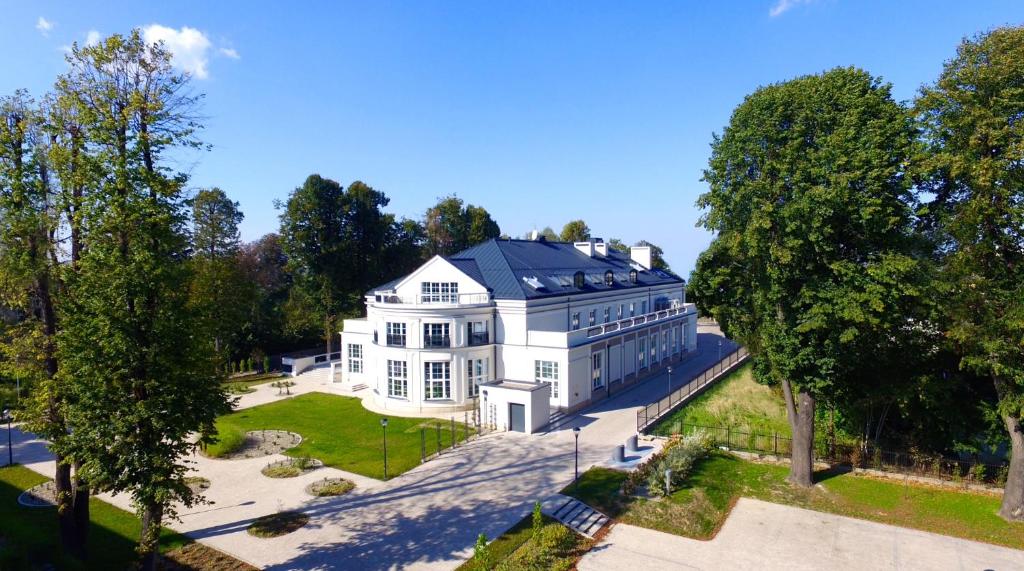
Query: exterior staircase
x=574, y=514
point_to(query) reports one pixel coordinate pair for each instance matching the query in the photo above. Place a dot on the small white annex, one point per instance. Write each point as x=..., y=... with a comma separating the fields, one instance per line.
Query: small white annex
x=516, y=329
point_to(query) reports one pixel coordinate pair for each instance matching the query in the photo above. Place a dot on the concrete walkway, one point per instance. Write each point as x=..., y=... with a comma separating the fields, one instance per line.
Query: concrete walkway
x=766, y=536
x=427, y=518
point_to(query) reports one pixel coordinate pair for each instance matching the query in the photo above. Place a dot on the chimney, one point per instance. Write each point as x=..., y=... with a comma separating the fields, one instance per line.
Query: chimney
x=600, y=247
x=641, y=255
x=534, y=234
x=585, y=247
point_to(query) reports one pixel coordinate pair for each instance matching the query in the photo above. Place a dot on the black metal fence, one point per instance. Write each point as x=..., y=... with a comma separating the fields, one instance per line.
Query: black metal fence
x=437, y=436
x=653, y=412
x=946, y=468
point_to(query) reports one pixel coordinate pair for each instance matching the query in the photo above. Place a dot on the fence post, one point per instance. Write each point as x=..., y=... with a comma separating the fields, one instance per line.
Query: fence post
x=465, y=427
x=438, y=426
x=728, y=437
x=776, y=448
x=453, y=432
x=423, y=445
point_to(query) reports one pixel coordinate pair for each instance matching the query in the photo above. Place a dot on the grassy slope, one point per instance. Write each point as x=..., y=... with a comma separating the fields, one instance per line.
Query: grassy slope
x=33, y=531
x=343, y=434
x=510, y=547
x=736, y=401
x=700, y=509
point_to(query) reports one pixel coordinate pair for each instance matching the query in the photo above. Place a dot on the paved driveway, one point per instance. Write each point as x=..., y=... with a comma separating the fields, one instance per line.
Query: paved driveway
x=766, y=536
x=427, y=518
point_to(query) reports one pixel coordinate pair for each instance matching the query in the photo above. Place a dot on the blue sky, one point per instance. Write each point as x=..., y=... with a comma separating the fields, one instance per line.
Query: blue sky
x=539, y=111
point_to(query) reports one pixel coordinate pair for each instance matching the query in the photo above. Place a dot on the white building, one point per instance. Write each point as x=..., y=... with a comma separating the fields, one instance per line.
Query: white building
x=495, y=324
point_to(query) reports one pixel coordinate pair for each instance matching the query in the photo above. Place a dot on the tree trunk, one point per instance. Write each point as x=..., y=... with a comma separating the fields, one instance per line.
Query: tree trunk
x=81, y=510
x=801, y=422
x=1012, y=508
x=67, y=522
x=149, y=542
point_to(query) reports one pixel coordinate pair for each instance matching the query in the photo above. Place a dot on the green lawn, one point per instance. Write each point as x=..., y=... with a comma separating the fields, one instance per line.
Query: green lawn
x=700, y=509
x=340, y=432
x=737, y=401
x=516, y=549
x=29, y=535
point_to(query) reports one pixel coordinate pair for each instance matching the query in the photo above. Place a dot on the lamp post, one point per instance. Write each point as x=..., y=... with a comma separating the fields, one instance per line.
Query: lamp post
x=10, y=446
x=719, y=349
x=576, y=479
x=384, y=427
x=670, y=383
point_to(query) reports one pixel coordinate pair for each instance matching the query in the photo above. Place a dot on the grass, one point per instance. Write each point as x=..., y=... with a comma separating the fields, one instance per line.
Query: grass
x=699, y=509
x=30, y=534
x=245, y=384
x=557, y=548
x=737, y=401
x=340, y=432
x=275, y=525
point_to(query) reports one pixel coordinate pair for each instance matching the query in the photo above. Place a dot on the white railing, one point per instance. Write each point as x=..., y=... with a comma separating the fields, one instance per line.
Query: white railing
x=628, y=323
x=437, y=299
x=578, y=337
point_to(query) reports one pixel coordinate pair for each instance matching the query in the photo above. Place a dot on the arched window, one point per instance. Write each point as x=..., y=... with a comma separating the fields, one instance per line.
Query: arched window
x=577, y=280
x=632, y=276
x=609, y=278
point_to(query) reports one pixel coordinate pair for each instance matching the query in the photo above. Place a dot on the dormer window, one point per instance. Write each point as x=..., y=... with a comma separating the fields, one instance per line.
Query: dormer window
x=632, y=276
x=578, y=280
x=609, y=278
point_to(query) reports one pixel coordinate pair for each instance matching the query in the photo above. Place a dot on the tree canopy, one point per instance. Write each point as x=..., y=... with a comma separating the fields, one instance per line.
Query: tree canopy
x=451, y=226
x=575, y=231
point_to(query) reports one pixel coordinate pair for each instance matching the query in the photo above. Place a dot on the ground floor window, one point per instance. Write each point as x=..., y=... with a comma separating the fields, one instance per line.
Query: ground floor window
x=547, y=372
x=437, y=380
x=676, y=338
x=355, y=358
x=598, y=378
x=476, y=374
x=398, y=379
x=664, y=343
x=654, y=348
x=641, y=351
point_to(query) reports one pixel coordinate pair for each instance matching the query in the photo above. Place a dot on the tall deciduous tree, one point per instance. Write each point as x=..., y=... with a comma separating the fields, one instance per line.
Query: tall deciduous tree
x=147, y=383
x=451, y=226
x=973, y=121
x=44, y=177
x=575, y=231
x=812, y=210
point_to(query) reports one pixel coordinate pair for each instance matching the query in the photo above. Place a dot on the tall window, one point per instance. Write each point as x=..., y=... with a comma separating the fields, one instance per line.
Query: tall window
x=595, y=368
x=547, y=372
x=632, y=308
x=664, y=343
x=396, y=334
x=398, y=379
x=437, y=380
x=677, y=340
x=575, y=321
x=654, y=348
x=476, y=373
x=682, y=338
x=439, y=292
x=618, y=315
x=355, y=358
x=477, y=331
x=436, y=335
x=643, y=307
x=593, y=317
x=607, y=314
x=641, y=351
x=671, y=340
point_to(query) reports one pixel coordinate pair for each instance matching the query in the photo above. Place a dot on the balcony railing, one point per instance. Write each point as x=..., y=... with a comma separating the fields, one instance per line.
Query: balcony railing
x=434, y=299
x=479, y=338
x=437, y=341
x=396, y=340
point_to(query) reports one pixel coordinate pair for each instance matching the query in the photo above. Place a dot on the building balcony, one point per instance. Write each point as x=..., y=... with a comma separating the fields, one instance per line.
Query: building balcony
x=566, y=339
x=478, y=339
x=396, y=340
x=437, y=341
x=432, y=300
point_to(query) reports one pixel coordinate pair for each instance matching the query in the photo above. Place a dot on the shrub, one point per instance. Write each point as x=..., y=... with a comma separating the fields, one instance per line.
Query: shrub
x=229, y=439
x=266, y=364
x=482, y=553
x=538, y=520
x=978, y=473
x=331, y=487
x=680, y=458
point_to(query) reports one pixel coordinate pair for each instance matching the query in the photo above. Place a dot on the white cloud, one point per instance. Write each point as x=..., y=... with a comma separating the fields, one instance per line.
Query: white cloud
x=188, y=46
x=44, y=26
x=92, y=38
x=783, y=6
x=229, y=52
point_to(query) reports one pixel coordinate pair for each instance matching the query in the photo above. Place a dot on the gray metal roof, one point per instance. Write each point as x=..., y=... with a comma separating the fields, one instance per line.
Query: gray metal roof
x=533, y=269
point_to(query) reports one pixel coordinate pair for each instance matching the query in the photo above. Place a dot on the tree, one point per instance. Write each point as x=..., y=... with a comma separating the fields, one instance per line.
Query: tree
x=617, y=245
x=657, y=256
x=143, y=389
x=220, y=292
x=971, y=120
x=263, y=264
x=38, y=188
x=811, y=264
x=452, y=227
x=575, y=231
